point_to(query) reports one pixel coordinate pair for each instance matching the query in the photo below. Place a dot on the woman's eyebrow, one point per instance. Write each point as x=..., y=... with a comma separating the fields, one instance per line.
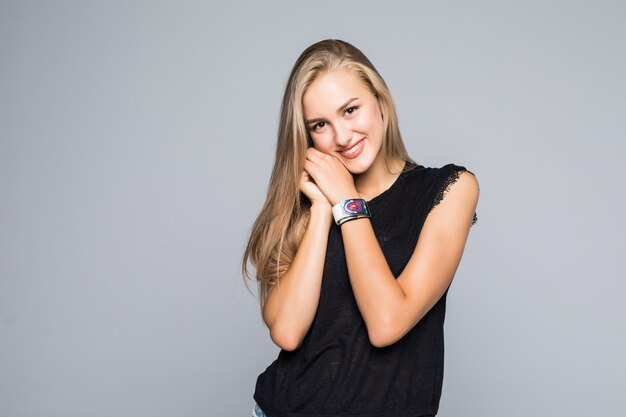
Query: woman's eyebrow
x=309, y=121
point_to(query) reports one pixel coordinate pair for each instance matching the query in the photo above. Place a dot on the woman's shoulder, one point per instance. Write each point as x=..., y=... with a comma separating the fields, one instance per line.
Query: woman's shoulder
x=435, y=181
x=450, y=174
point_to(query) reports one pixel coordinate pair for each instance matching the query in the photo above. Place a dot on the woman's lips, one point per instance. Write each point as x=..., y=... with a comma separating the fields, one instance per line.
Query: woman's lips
x=355, y=150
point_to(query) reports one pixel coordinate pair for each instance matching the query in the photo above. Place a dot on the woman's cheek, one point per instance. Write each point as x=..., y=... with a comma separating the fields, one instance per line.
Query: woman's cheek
x=361, y=122
x=323, y=143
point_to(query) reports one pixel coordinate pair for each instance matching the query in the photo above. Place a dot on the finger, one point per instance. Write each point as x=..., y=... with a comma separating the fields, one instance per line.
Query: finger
x=309, y=167
x=305, y=176
x=313, y=154
x=341, y=162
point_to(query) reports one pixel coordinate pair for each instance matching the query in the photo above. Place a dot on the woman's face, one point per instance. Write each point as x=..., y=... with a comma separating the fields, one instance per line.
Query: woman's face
x=344, y=119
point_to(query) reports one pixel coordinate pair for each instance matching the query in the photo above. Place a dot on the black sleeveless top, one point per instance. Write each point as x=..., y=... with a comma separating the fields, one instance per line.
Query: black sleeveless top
x=336, y=371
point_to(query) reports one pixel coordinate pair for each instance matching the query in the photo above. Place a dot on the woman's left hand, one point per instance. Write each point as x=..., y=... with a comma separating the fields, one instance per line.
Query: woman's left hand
x=330, y=175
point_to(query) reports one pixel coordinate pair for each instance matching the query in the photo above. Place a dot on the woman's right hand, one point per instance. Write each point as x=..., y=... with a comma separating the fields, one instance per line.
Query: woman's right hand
x=312, y=191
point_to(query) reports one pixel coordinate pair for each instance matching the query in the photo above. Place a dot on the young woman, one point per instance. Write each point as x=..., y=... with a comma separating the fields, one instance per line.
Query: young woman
x=352, y=259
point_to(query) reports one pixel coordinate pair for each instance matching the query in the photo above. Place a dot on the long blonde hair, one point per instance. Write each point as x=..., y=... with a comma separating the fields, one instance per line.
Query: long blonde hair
x=278, y=230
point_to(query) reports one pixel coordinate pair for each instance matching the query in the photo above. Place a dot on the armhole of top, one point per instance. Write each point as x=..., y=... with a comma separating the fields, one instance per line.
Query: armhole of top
x=450, y=178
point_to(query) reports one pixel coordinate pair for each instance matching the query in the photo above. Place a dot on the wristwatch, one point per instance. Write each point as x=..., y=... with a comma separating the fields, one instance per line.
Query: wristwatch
x=346, y=210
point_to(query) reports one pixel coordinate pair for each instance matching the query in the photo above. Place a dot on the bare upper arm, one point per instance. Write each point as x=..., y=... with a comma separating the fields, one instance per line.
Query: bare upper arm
x=439, y=248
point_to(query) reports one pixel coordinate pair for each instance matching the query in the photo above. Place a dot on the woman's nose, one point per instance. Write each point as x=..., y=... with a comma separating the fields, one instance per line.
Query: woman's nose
x=343, y=135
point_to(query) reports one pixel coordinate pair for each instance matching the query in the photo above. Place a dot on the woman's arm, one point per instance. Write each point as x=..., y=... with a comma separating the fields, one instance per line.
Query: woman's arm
x=291, y=305
x=390, y=306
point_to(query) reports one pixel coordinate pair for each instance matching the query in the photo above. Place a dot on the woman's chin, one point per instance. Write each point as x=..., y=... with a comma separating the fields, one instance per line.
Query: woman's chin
x=357, y=169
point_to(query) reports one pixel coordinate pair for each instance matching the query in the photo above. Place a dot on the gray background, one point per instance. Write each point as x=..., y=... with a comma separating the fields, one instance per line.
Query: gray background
x=137, y=139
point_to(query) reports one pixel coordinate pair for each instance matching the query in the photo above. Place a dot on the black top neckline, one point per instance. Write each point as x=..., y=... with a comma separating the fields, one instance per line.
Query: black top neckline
x=396, y=183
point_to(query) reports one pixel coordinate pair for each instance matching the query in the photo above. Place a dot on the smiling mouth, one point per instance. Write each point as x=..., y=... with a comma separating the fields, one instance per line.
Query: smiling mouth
x=354, y=151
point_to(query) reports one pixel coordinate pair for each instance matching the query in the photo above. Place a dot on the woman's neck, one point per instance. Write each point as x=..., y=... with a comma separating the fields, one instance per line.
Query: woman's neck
x=377, y=178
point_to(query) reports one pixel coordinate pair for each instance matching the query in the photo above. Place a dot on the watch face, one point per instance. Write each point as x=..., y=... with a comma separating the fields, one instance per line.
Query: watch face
x=354, y=207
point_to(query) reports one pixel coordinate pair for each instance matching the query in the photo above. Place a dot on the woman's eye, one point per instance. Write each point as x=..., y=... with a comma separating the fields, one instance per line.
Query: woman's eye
x=318, y=125
x=351, y=110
